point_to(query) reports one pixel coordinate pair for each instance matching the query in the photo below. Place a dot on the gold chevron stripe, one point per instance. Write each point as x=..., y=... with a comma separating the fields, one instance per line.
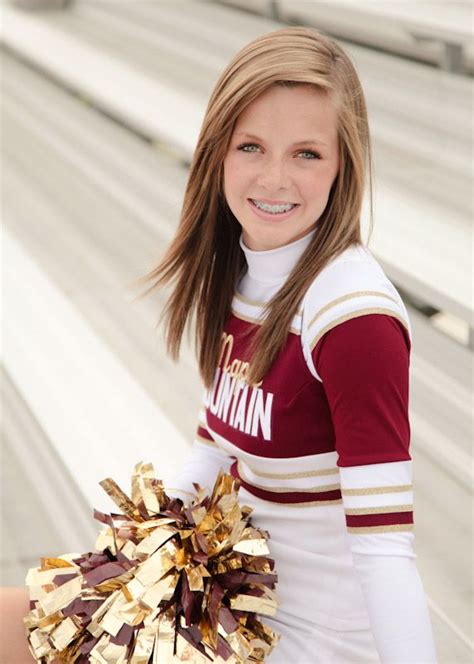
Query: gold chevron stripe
x=253, y=303
x=349, y=296
x=355, y=314
x=368, y=491
x=385, y=509
x=256, y=321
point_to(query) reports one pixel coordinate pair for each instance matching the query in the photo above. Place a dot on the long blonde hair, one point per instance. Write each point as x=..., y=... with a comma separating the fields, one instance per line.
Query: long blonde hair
x=205, y=260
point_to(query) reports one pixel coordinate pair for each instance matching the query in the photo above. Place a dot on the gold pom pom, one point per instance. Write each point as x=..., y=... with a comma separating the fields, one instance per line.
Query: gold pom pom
x=167, y=582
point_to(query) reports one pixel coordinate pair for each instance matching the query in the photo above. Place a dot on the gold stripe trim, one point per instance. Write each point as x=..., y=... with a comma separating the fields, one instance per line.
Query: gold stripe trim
x=348, y=296
x=356, y=314
x=206, y=441
x=253, y=303
x=255, y=321
x=273, y=489
x=309, y=503
x=249, y=319
x=366, y=530
x=368, y=491
x=385, y=509
x=294, y=476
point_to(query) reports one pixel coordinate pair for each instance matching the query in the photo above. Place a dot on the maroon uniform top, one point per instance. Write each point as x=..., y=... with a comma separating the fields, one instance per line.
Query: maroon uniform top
x=321, y=446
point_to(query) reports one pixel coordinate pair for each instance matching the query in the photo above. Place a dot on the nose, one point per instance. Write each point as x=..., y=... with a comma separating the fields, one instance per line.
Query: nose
x=273, y=175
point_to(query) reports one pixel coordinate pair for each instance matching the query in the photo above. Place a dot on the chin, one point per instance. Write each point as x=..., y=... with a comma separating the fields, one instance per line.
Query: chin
x=264, y=241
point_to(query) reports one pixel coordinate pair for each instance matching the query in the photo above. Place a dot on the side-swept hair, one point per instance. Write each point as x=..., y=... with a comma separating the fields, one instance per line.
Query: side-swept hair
x=205, y=260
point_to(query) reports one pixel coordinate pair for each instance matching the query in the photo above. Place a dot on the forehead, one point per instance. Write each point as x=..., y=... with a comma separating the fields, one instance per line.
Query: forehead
x=289, y=111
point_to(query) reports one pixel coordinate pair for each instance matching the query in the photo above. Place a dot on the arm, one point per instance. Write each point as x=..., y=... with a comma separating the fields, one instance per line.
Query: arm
x=364, y=365
x=14, y=606
x=201, y=465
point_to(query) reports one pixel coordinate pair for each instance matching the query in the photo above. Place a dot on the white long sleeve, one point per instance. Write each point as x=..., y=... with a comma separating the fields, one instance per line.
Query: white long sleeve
x=398, y=609
x=385, y=562
x=202, y=465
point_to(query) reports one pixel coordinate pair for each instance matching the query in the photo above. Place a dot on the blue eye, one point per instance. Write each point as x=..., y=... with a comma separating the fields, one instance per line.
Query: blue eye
x=314, y=155
x=246, y=145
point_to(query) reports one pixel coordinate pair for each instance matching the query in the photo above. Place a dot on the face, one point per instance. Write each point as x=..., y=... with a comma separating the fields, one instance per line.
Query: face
x=284, y=149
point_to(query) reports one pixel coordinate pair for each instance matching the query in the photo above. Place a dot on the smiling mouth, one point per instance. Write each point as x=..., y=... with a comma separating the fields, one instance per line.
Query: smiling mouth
x=273, y=209
x=266, y=201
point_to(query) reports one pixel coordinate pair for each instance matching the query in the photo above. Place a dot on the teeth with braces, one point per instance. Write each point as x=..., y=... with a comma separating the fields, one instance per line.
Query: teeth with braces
x=273, y=208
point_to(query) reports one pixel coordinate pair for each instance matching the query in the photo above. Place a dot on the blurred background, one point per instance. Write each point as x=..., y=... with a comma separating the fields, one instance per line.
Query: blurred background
x=102, y=101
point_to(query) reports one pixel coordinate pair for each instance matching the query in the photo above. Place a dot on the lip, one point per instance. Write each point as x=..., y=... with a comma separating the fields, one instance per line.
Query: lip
x=268, y=216
x=267, y=200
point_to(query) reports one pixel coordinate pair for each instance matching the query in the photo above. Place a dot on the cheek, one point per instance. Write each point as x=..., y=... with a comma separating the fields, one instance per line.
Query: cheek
x=227, y=174
x=310, y=187
x=316, y=184
x=234, y=176
x=232, y=185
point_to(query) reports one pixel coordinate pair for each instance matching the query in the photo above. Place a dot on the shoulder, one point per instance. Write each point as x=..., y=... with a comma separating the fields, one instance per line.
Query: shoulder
x=351, y=285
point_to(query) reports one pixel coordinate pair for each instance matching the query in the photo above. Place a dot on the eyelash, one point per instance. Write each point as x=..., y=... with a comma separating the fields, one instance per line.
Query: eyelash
x=315, y=154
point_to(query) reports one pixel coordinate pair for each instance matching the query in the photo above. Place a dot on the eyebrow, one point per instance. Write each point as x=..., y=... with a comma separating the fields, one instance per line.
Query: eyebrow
x=306, y=142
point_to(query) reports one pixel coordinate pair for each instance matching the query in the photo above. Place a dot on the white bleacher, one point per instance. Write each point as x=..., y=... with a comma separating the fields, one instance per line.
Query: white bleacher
x=439, y=33
x=89, y=206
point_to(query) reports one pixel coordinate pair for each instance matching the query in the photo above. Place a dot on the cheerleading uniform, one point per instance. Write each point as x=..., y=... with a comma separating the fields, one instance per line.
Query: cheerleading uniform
x=321, y=448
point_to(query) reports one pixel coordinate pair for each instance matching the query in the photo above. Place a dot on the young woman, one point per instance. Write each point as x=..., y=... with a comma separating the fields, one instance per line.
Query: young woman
x=303, y=345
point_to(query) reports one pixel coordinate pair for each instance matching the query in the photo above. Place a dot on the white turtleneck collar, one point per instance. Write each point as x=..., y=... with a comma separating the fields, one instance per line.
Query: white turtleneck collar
x=272, y=265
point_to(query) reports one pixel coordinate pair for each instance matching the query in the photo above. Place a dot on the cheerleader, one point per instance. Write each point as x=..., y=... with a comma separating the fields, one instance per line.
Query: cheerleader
x=303, y=346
